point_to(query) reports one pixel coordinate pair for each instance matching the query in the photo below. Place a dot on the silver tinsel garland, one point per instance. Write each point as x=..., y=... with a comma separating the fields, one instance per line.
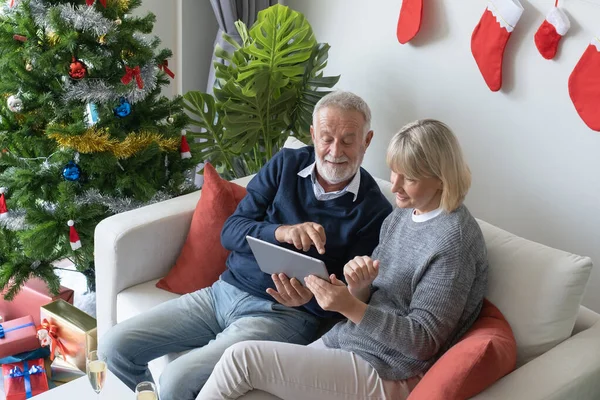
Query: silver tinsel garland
x=98, y=91
x=117, y=205
x=85, y=18
x=39, y=10
x=15, y=221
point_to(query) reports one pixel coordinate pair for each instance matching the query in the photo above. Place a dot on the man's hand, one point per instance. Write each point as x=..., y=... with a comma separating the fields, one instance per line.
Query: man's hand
x=302, y=236
x=290, y=292
x=360, y=272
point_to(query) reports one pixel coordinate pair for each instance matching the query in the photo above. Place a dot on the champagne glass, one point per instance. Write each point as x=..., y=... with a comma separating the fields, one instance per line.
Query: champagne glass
x=146, y=391
x=96, y=371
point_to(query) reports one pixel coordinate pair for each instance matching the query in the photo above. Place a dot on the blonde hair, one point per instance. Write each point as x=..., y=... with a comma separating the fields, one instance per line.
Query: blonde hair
x=428, y=149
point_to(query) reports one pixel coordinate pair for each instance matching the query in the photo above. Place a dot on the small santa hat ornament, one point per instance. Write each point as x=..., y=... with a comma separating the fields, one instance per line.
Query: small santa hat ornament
x=185, y=147
x=73, y=236
x=3, y=208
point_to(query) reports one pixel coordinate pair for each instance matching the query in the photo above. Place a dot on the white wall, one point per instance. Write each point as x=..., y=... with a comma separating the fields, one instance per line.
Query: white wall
x=536, y=166
x=188, y=28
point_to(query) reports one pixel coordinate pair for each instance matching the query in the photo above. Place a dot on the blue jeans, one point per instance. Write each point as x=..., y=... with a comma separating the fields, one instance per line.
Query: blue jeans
x=206, y=322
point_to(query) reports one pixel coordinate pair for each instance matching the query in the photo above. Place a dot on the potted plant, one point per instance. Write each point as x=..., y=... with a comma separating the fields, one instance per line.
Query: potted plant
x=265, y=91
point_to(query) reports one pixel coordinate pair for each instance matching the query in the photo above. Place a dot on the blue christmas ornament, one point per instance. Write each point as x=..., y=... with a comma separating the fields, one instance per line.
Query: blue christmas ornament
x=124, y=109
x=72, y=172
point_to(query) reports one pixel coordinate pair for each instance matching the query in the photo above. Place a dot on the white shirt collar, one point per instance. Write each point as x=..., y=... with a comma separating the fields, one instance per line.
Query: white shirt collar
x=427, y=216
x=352, y=187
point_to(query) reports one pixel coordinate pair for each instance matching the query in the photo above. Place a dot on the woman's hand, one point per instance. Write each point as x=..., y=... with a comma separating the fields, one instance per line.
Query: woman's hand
x=335, y=296
x=360, y=272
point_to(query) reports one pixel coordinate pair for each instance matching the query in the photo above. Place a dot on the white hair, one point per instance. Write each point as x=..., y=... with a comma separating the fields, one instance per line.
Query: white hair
x=346, y=101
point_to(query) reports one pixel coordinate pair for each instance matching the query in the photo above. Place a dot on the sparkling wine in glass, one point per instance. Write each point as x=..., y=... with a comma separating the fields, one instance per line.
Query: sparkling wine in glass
x=146, y=391
x=96, y=371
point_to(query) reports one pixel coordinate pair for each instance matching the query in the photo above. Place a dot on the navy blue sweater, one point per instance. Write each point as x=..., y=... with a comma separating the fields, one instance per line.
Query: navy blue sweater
x=278, y=196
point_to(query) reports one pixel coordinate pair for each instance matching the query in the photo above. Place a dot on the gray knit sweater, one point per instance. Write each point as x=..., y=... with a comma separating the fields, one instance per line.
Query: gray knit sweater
x=429, y=291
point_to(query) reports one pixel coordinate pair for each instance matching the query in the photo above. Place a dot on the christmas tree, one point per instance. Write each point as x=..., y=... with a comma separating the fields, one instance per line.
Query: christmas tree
x=84, y=130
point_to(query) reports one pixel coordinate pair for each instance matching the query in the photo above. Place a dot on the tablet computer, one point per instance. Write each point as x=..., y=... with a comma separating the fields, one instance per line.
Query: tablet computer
x=274, y=259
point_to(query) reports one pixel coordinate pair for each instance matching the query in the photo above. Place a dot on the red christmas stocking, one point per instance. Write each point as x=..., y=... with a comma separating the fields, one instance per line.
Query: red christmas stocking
x=490, y=37
x=584, y=85
x=554, y=27
x=409, y=21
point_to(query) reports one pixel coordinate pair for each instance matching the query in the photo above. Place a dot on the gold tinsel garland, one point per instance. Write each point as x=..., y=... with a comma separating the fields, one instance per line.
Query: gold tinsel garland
x=98, y=140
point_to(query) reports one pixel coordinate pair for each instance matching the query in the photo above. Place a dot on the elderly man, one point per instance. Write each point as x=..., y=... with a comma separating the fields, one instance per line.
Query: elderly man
x=317, y=200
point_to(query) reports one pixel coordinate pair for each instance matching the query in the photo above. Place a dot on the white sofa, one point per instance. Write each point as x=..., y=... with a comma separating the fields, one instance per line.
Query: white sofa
x=539, y=290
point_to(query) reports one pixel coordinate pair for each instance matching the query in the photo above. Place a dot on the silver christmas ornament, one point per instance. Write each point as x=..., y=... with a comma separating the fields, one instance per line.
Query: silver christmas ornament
x=15, y=104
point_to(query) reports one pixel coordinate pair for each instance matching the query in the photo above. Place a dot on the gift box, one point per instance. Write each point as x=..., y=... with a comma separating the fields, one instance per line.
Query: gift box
x=42, y=352
x=72, y=332
x=17, y=336
x=28, y=301
x=62, y=372
x=25, y=379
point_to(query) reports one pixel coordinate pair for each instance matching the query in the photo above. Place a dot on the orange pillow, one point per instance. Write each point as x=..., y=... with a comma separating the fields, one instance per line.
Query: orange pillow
x=202, y=258
x=486, y=353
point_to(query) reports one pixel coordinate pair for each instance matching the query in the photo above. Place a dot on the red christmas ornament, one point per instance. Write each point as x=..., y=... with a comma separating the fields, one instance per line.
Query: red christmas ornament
x=165, y=67
x=185, y=147
x=73, y=236
x=91, y=2
x=20, y=38
x=77, y=70
x=3, y=208
x=130, y=73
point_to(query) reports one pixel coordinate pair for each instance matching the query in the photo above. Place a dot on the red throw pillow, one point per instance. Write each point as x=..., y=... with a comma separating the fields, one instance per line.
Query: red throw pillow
x=486, y=353
x=202, y=258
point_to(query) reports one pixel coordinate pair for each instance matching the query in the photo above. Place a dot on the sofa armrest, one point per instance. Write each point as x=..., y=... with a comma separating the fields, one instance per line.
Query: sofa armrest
x=138, y=246
x=568, y=371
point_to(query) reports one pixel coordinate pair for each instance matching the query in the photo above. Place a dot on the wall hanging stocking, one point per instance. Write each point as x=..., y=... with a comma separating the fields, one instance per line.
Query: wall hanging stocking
x=548, y=35
x=490, y=37
x=584, y=85
x=409, y=22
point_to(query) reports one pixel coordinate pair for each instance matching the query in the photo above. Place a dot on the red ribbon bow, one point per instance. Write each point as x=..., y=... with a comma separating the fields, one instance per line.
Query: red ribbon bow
x=12, y=3
x=165, y=67
x=90, y=2
x=130, y=73
x=53, y=333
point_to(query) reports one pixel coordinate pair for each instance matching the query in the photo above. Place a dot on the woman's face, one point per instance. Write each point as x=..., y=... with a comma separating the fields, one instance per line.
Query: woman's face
x=423, y=195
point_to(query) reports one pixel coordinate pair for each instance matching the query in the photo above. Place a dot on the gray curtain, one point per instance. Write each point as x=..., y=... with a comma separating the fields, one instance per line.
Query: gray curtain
x=227, y=12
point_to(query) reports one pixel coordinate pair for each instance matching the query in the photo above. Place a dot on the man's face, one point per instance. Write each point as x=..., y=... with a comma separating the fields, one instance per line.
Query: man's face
x=340, y=143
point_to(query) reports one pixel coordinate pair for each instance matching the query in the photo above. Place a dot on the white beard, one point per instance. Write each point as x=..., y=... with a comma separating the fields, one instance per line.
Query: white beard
x=337, y=173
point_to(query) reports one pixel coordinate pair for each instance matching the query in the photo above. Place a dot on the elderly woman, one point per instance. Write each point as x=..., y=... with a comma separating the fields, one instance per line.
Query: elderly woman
x=405, y=306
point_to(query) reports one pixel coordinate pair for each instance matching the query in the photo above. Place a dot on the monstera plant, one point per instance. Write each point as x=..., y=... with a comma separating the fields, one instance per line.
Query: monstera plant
x=265, y=91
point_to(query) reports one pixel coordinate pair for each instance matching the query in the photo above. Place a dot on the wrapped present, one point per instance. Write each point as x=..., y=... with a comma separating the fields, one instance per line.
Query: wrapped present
x=71, y=332
x=41, y=352
x=25, y=379
x=28, y=301
x=17, y=336
x=62, y=372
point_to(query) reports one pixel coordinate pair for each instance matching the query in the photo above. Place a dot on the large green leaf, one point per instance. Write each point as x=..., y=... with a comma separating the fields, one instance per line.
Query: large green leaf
x=308, y=93
x=203, y=111
x=266, y=89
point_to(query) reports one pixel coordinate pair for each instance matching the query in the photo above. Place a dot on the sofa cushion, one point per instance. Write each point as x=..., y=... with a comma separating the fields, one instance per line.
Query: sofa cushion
x=538, y=289
x=485, y=354
x=202, y=258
